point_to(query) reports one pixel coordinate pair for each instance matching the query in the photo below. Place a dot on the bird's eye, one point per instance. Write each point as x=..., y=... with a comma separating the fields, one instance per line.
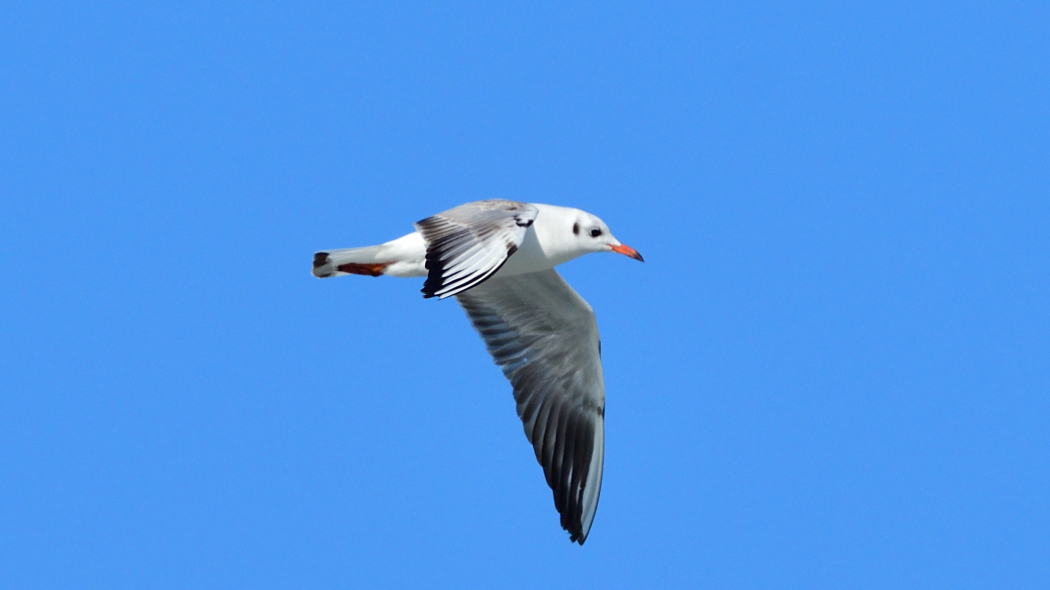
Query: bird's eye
x=596, y=232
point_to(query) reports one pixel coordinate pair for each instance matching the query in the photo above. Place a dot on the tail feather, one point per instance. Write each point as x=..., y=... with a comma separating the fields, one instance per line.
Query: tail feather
x=358, y=261
x=403, y=257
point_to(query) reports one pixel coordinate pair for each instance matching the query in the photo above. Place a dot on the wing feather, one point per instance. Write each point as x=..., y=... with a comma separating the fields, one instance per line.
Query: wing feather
x=544, y=337
x=467, y=244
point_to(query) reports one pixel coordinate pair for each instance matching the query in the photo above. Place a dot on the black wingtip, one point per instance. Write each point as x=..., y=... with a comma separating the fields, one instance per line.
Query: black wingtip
x=435, y=280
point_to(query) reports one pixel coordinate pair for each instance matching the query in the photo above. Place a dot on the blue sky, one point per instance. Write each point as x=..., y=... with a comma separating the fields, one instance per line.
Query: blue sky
x=832, y=370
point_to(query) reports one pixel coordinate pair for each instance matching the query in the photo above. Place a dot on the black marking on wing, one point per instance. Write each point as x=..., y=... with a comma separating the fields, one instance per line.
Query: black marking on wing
x=461, y=252
x=443, y=251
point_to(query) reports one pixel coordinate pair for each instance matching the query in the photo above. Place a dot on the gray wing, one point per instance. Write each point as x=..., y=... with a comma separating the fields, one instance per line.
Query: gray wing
x=545, y=338
x=469, y=243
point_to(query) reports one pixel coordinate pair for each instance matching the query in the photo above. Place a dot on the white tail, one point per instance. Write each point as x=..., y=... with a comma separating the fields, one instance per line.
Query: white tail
x=403, y=257
x=358, y=261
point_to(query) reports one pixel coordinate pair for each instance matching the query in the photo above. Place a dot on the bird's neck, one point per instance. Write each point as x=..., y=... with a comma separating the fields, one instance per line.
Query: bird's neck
x=553, y=234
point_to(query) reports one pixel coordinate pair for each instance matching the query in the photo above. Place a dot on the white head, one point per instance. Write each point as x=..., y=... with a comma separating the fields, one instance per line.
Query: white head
x=570, y=233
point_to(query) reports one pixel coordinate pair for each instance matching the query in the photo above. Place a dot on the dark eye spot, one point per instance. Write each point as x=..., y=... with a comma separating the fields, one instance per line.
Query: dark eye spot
x=596, y=232
x=576, y=228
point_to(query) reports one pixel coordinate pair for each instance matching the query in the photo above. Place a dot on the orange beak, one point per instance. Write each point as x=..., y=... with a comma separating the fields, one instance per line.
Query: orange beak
x=628, y=251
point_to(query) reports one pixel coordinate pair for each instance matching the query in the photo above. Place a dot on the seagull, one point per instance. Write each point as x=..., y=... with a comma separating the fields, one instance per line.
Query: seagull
x=497, y=258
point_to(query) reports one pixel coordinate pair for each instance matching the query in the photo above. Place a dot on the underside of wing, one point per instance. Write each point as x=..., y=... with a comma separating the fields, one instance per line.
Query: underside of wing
x=544, y=337
x=469, y=243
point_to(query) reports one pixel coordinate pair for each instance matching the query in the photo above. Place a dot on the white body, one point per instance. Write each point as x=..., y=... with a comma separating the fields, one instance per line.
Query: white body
x=545, y=246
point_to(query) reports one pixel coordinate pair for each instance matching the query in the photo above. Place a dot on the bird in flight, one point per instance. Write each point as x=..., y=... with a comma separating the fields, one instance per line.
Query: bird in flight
x=497, y=258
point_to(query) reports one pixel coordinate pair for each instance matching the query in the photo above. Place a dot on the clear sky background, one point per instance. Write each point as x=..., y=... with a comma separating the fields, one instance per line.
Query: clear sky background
x=833, y=370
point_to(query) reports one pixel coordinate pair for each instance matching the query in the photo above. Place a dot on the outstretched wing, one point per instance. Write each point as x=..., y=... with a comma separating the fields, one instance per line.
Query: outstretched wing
x=469, y=243
x=545, y=338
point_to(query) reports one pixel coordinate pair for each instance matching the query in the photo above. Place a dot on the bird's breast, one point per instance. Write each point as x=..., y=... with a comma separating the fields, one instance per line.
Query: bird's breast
x=529, y=257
